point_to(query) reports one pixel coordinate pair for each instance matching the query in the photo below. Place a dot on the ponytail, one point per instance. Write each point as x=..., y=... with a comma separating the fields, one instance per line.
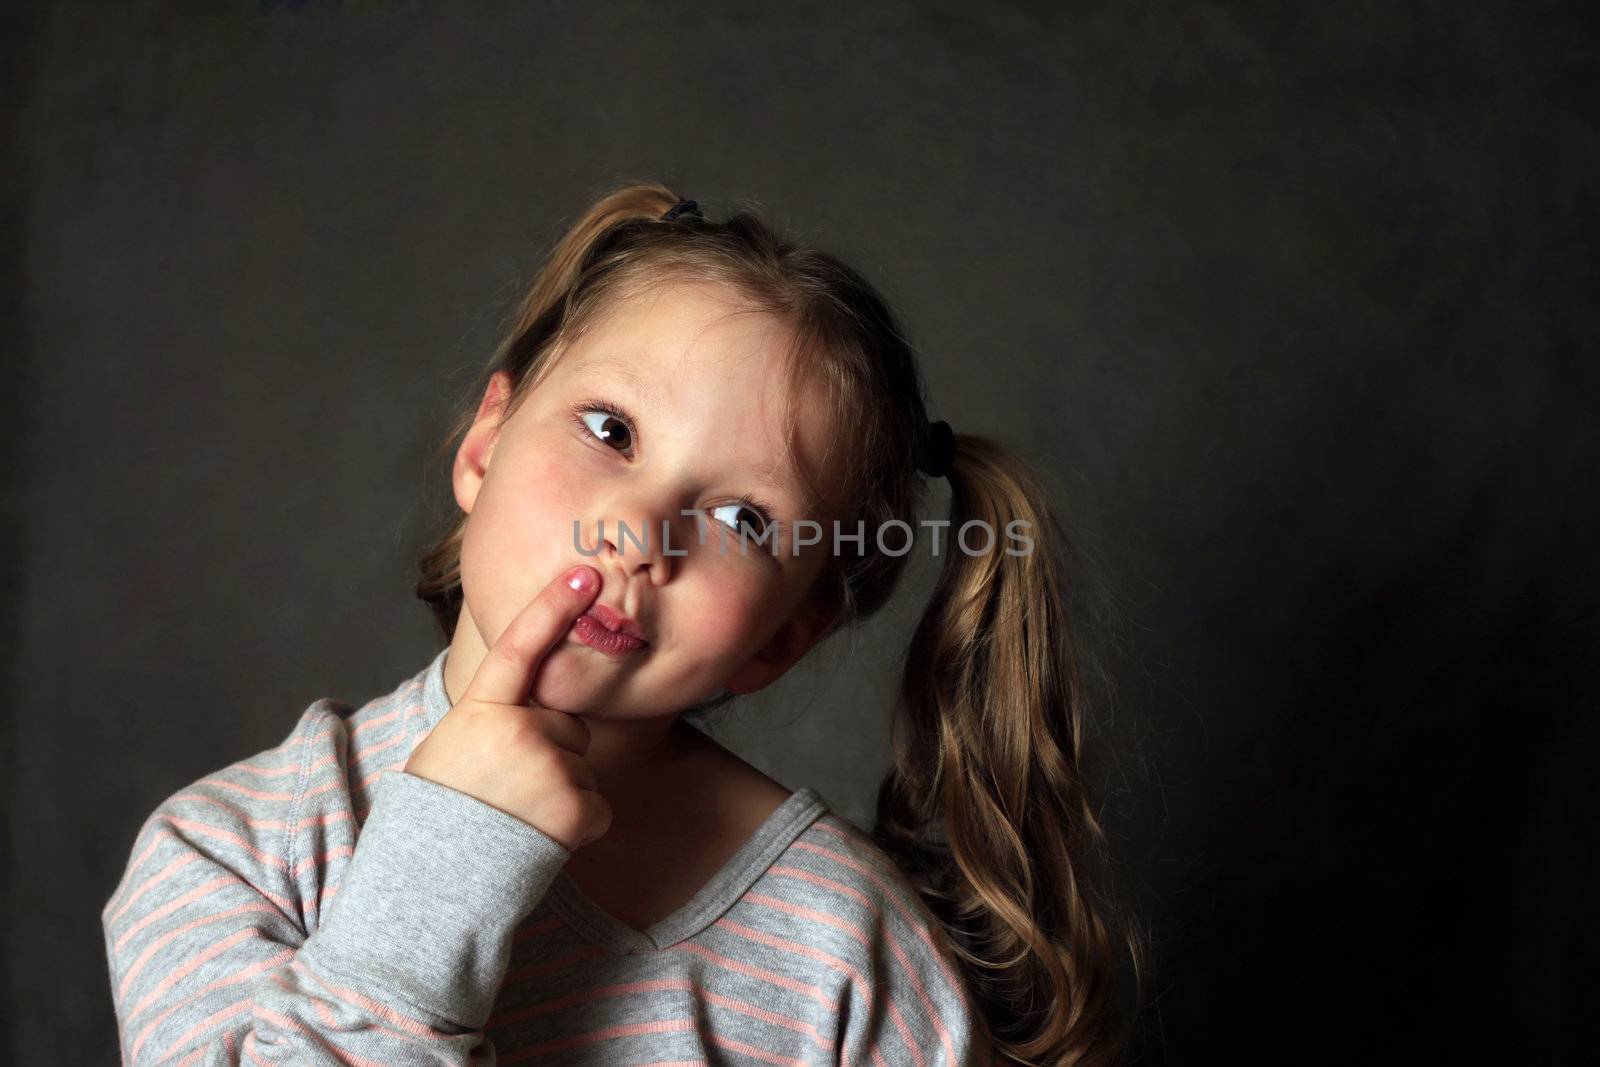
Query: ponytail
x=986, y=808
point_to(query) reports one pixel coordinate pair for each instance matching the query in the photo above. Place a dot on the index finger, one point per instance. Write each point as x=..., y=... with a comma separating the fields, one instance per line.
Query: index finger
x=506, y=673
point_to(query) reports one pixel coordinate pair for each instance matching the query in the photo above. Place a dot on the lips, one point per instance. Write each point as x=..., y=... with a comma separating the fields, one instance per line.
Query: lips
x=616, y=623
x=616, y=645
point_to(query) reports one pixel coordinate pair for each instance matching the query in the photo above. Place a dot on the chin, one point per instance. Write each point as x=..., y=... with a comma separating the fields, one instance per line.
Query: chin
x=566, y=682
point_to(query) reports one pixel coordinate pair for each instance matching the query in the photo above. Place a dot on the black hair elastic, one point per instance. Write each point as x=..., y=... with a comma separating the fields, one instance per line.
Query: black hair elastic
x=941, y=450
x=682, y=207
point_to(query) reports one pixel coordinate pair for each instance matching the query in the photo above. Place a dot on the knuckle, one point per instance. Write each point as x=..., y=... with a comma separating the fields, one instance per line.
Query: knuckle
x=567, y=812
x=551, y=767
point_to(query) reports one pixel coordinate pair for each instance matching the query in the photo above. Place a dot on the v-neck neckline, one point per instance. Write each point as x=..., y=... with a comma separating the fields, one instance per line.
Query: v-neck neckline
x=748, y=863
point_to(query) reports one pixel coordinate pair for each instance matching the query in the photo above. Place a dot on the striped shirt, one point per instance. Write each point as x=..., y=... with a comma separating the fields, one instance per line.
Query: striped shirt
x=318, y=905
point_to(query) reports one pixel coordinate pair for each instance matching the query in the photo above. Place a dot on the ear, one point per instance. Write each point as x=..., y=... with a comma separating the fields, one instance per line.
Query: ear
x=783, y=650
x=472, y=457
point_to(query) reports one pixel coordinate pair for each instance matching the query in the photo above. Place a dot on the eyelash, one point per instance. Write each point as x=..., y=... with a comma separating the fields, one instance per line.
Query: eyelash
x=584, y=407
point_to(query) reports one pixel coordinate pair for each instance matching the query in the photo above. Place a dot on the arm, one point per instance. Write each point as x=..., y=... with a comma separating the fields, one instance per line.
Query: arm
x=210, y=959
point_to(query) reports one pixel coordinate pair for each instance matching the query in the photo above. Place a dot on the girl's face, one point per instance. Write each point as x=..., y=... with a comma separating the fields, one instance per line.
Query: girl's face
x=673, y=401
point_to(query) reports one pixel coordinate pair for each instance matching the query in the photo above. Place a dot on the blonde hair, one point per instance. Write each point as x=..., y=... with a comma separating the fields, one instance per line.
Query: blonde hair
x=985, y=808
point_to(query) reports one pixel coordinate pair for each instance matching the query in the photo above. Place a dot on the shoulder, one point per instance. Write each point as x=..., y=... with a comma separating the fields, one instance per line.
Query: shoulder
x=254, y=794
x=847, y=860
x=903, y=995
x=230, y=830
x=322, y=771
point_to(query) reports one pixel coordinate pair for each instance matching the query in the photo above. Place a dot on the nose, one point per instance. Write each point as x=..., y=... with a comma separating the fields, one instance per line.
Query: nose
x=642, y=541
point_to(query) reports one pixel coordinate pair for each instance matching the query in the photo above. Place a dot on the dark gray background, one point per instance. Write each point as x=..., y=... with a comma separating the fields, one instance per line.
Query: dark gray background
x=1295, y=304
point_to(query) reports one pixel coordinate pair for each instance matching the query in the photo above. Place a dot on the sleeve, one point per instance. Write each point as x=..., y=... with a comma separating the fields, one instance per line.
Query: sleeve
x=216, y=951
x=909, y=1003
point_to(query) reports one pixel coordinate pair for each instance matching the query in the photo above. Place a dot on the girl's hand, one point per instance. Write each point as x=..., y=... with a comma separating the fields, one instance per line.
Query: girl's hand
x=525, y=759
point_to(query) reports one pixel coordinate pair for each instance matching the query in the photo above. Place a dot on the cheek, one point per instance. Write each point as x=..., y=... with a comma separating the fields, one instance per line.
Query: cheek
x=725, y=621
x=520, y=531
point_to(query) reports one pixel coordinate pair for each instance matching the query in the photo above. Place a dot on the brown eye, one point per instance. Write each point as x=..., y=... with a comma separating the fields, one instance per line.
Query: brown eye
x=612, y=430
x=740, y=516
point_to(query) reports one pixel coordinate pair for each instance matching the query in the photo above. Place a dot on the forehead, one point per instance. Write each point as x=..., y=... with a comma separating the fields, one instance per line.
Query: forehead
x=677, y=325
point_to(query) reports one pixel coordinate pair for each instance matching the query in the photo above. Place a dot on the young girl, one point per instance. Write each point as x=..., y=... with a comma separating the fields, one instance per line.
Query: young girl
x=525, y=854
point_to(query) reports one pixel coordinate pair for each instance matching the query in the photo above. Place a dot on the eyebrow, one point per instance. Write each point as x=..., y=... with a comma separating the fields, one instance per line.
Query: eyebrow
x=623, y=371
x=770, y=474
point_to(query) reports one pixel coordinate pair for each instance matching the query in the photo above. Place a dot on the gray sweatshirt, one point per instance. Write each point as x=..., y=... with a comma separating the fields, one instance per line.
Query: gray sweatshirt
x=317, y=905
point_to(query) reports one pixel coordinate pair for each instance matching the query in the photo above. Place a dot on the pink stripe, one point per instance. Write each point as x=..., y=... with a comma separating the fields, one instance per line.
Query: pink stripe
x=620, y=989
x=323, y=820
x=246, y=819
x=816, y=954
x=327, y=895
x=860, y=935
x=244, y=790
x=827, y=883
x=269, y=770
x=752, y=1051
x=238, y=813
x=382, y=746
x=664, y=1026
x=174, y=904
x=404, y=1023
x=325, y=1012
x=295, y=1026
x=905, y=1034
x=776, y=1019
x=269, y=760
x=378, y=721
x=194, y=963
x=815, y=915
x=406, y=714
x=326, y=787
x=932, y=1013
x=207, y=830
x=752, y=971
x=167, y=938
x=916, y=923
x=326, y=761
x=283, y=904
x=232, y=1011
x=154, y=880
x=318, y=861
x=924, y=928
x=380, y=772
x=232, y=979
x=156, y=838
x=798, y=949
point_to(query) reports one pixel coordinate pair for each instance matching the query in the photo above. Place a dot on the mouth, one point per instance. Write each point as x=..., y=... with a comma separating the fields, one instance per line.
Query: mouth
x=605, y=631
x=616, y=622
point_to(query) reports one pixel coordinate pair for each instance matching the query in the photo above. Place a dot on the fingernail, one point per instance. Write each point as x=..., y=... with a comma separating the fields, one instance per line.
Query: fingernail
x=581, y=579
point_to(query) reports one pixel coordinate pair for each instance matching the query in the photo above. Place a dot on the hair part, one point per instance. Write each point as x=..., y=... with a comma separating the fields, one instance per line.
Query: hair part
x=985, y=809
